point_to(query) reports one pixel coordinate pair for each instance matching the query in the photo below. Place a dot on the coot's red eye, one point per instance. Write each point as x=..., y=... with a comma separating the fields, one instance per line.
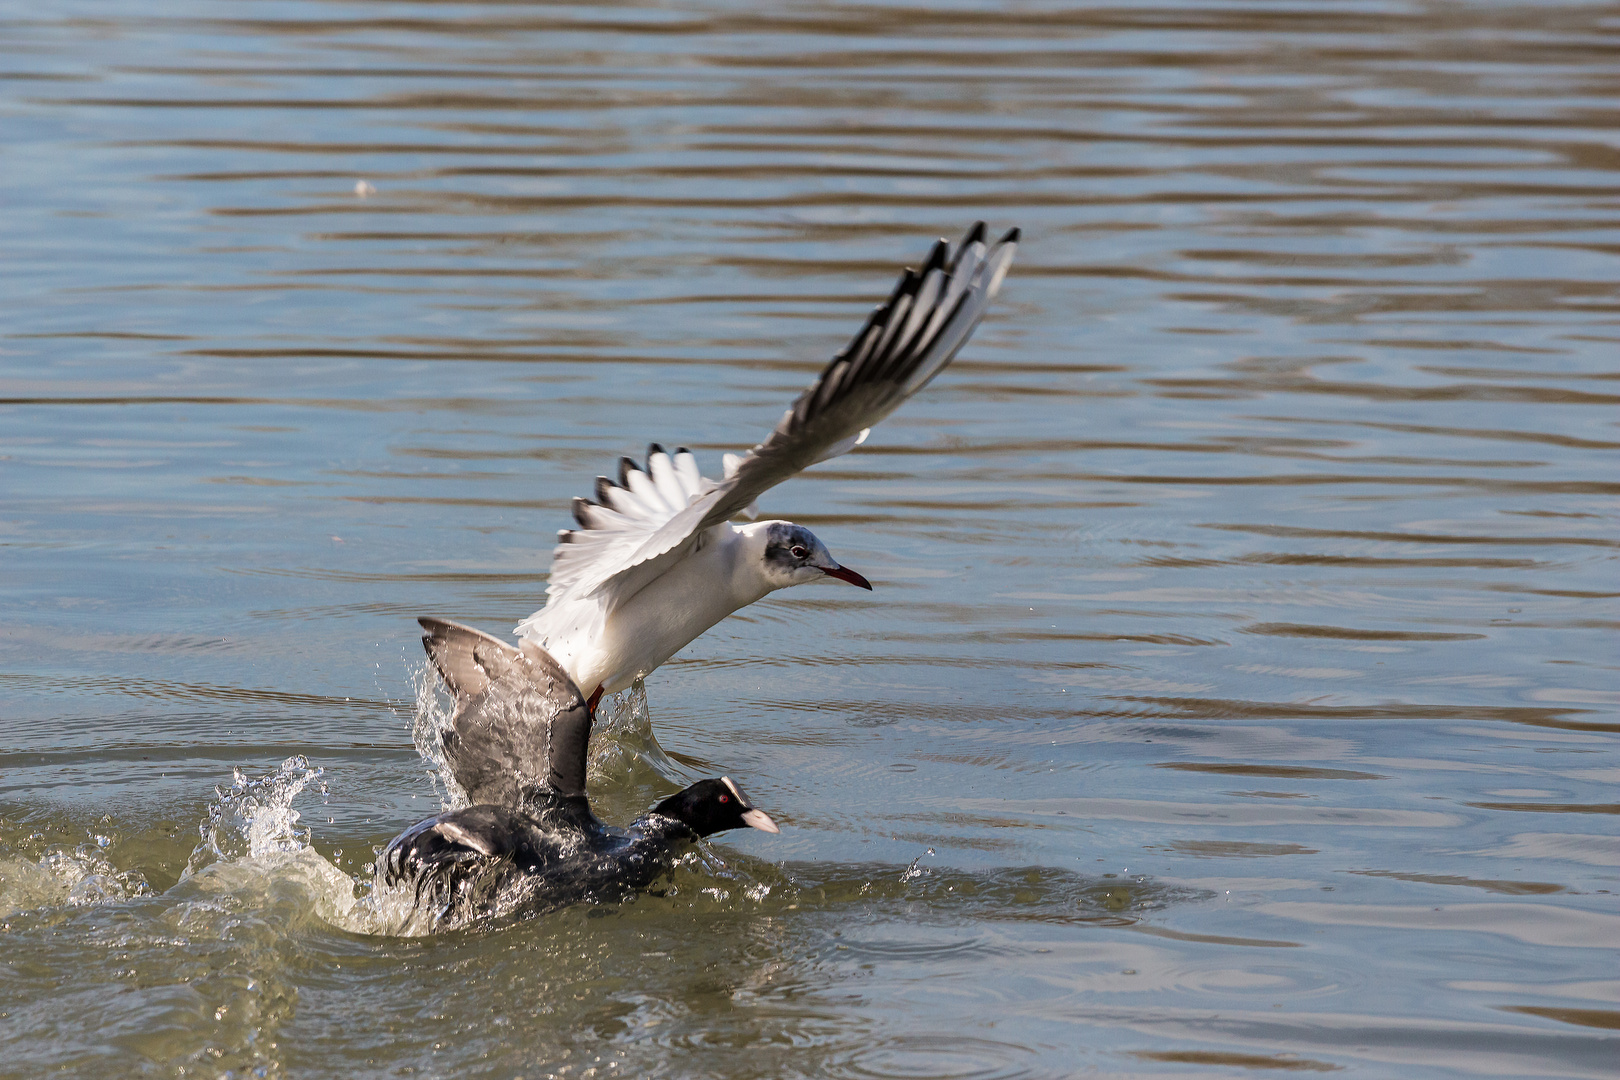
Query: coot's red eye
x=725, y=798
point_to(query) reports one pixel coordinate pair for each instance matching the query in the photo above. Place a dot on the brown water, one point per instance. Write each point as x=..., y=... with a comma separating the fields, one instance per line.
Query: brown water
x=1239, y=692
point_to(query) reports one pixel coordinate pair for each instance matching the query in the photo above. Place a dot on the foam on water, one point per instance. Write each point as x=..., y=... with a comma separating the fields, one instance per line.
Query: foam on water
x=63, y=876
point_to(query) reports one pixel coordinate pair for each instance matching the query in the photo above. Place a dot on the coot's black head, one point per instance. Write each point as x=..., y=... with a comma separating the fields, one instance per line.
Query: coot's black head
x=711, y=806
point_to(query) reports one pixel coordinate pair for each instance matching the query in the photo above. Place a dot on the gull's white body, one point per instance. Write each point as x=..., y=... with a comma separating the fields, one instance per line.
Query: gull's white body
x=721, y=576
x=656, y=561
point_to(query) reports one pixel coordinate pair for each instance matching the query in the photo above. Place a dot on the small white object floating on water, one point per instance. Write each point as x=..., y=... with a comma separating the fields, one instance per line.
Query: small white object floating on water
x=655, y=560
x=364, y=188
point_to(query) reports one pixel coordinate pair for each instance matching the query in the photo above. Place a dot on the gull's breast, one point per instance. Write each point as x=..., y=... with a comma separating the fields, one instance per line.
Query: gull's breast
x=675, y=608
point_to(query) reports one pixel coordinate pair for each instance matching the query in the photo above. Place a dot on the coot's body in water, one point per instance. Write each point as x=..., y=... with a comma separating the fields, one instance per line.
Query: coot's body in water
x=529, y=842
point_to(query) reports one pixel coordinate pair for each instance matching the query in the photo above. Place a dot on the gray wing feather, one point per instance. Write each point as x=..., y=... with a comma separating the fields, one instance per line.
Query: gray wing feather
x=519, y=722
x=904, y=344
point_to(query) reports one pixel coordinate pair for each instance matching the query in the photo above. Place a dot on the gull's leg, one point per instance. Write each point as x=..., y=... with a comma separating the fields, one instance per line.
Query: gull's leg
x=596, y=696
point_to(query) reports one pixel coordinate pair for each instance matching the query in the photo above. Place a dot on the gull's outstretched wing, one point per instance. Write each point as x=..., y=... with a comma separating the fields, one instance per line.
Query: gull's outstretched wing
x=623, y=516
x=520, y=721
x=635, y=530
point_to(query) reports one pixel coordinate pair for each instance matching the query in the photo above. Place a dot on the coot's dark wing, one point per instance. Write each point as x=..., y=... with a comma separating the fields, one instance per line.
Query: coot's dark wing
x=520, y=721
x=460, y=839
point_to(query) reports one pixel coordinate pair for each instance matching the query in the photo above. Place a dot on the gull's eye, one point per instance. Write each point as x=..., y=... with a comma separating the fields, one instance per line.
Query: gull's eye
x=799, y=551
x=725, y=798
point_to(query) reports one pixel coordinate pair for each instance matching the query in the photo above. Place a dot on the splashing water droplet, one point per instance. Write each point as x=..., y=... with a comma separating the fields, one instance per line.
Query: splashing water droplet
x=434, y=710
x=255, y=817
x=915, y=871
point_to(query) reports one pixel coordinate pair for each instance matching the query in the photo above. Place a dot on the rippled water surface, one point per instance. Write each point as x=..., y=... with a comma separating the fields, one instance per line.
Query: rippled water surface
x=1239, y=690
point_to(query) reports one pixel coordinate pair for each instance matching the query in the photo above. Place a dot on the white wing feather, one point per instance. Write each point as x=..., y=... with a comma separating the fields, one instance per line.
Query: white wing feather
x=622, y=518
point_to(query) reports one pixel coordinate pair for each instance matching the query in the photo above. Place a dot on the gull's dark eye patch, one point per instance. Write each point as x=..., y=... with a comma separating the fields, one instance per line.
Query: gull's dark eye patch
x=800, y=551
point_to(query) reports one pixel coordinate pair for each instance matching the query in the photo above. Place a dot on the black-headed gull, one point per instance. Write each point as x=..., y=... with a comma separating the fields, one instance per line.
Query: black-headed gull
x=656, y=561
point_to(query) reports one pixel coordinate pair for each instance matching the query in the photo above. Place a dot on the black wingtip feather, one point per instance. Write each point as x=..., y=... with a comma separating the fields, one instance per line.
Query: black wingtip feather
x=906, y=284
x=874, y=372
x=974, y=235
x=873, y=368
x=603, y=486
x=652, y=450
x=679, y=450
x=579, y=510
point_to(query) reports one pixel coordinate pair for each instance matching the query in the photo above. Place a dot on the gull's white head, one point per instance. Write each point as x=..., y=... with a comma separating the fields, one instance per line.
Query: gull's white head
x=792, y=555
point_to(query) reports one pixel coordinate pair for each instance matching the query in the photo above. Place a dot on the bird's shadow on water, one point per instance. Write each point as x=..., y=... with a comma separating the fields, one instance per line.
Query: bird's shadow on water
x=876, y=889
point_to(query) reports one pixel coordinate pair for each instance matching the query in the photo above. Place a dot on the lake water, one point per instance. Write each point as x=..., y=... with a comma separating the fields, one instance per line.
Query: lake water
x=1238, y=695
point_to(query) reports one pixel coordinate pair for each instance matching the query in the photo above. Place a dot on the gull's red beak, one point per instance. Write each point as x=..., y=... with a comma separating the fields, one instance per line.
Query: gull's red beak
x=844, y=573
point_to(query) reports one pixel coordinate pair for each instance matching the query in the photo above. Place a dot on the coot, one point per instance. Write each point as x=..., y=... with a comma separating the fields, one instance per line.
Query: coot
x=529, y=842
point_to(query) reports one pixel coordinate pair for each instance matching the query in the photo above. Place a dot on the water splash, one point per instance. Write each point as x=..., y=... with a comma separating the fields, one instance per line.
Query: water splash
x=434, y=710
x=622, y=741
x=251, y=844
x=623, y=744
x=255, y=818
x=916, y=870
x=70, y=877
